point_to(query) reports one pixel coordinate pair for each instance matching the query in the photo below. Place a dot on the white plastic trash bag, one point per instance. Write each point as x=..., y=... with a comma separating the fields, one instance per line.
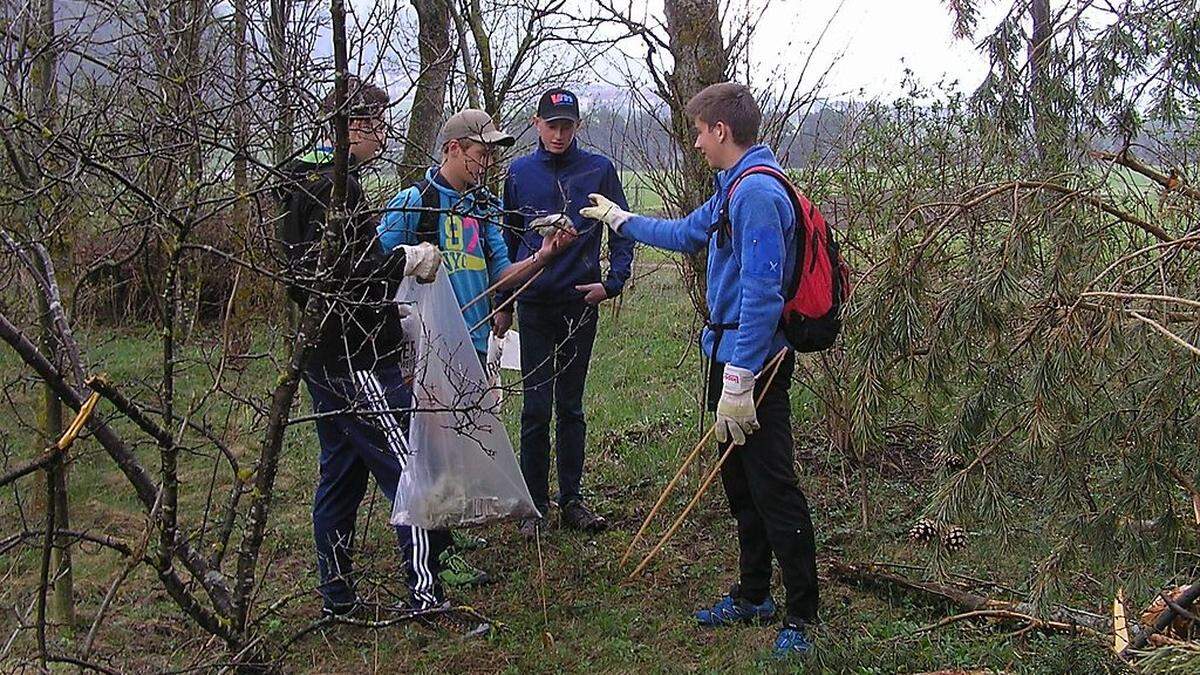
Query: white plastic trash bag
x=460, y=469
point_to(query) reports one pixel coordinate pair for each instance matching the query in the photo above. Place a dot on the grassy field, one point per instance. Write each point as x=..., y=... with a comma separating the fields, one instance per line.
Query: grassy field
x=642, y=419
x=640, y=192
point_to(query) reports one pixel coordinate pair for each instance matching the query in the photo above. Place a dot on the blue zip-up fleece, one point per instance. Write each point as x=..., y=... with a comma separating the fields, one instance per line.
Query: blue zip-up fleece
x=473, y=250
x=543, y=183
x=745, y=279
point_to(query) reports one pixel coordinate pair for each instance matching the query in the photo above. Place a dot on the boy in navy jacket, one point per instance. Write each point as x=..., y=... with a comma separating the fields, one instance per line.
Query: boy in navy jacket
x=747, y=265
x=558, y=310
x=354, y=374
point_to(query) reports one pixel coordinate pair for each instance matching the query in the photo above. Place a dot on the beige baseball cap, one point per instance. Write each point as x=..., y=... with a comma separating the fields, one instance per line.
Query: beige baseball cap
x=475, y=125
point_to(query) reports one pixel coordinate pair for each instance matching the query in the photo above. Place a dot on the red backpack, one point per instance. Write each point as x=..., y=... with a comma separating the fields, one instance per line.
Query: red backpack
x=820, y=283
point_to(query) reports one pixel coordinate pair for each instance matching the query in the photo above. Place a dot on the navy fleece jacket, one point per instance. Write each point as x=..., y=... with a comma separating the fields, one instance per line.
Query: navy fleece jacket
x=543, y=183
x=746, y=276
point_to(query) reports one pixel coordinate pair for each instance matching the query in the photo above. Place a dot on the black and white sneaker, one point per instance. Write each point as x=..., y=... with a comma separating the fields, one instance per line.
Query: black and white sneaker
x=341, y=610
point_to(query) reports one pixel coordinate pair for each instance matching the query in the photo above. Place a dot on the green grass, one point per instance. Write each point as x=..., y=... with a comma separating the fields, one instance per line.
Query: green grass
x=642, y=419
x=640, y=192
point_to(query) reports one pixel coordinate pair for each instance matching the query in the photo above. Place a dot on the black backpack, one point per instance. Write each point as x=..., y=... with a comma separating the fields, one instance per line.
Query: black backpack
x=431, y=211
x=302, y=202
x=431, y=204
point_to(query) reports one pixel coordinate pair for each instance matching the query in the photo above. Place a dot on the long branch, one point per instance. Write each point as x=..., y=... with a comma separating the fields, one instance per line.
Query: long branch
x=1171, y=182
x=143, y=484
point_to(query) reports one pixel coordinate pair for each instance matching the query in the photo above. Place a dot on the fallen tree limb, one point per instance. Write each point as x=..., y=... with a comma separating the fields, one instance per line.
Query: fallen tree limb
x=875, y=575
x=1032, y=621
x=1182, y=602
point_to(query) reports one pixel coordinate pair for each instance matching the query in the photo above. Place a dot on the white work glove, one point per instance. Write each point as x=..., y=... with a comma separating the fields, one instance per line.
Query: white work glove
x=603, y=209
x=736, y=418
x=547, y=225
x=421, y=261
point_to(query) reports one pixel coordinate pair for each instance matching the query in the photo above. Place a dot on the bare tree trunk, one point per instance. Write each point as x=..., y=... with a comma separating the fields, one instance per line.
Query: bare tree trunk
x=487, y=69
x=1039, y=76
x=241, y=131
x=468, y=62
x=284, y=117
x=433, y=19
x=237, y=328
x=694, y=30
x=44, y=98
x=277, y=44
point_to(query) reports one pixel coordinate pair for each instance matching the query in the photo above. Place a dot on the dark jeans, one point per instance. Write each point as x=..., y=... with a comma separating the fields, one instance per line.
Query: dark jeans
x=556, y=348
x=767, y=503
x=354, y=445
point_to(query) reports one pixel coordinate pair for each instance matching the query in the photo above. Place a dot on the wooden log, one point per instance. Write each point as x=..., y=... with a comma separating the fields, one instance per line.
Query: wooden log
x=868, y=574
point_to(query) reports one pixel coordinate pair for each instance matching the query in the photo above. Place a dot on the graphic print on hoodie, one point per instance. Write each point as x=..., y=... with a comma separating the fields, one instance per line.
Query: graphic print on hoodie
x=473, y=248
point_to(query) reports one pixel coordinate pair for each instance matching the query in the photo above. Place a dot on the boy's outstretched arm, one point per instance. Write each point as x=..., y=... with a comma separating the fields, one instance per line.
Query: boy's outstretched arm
x=687, y=235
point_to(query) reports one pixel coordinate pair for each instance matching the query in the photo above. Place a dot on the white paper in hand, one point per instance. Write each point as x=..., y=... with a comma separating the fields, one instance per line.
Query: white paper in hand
x=510, y=351
x=461, y=469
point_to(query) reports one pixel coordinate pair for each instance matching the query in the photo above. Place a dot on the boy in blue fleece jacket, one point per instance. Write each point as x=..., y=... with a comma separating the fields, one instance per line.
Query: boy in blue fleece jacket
x=749, y=257
x=466, y=219
x=558, y=310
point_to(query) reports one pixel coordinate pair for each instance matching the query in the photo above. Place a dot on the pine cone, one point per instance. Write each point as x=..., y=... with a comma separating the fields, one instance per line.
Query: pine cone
x=954, y=538
x=923, y=531
x=951, y=460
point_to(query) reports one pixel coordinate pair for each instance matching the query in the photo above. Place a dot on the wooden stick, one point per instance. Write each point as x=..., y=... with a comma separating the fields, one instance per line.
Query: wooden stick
x=778, y=361
x=486, y=292
x=683, y=467
x=547, y=637
x=874, y=574
x=511, y=298
x=1141, y=296
x=666, y=493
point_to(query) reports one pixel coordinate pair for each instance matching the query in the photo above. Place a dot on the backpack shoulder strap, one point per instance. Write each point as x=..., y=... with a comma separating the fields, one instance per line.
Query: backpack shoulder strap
x=430, y=216
x=724, y=226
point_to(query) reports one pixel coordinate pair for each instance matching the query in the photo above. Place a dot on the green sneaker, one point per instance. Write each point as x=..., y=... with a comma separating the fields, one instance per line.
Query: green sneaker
x=457, y=572
x=465, y=541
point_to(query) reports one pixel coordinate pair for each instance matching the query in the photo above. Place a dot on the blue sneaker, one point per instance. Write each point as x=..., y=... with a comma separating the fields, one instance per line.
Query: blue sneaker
x=729, y=610
x=792, y=641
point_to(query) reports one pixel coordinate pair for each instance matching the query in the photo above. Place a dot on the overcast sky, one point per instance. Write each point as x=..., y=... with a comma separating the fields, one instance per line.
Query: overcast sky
x=877, y=39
